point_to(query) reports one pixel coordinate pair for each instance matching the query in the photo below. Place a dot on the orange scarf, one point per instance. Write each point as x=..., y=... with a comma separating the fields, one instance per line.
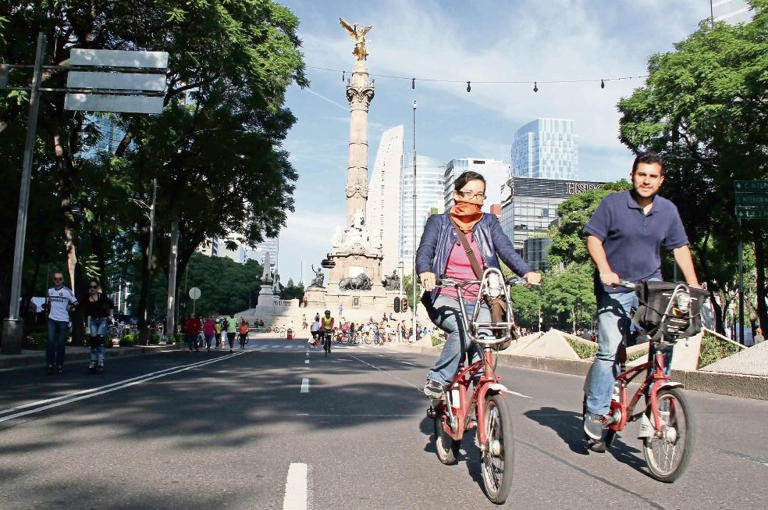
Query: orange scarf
x=466, y=215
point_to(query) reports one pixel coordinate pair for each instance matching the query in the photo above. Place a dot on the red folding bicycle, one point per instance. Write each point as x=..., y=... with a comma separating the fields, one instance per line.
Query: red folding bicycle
x=667, y=312
x=484, y=407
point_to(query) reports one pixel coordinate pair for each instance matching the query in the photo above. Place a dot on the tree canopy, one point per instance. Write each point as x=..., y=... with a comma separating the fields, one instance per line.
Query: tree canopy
x=215, y=151
x=705, y=108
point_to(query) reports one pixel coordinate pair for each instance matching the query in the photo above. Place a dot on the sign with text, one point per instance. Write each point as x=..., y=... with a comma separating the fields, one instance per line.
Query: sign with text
x=116, y=81
x=751, y=213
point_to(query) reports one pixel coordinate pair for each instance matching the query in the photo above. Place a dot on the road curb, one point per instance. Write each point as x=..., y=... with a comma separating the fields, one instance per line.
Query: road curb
x=736, y=385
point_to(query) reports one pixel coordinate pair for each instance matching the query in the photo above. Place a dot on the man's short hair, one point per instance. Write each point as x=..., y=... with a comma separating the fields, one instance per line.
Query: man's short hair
x=649, y=158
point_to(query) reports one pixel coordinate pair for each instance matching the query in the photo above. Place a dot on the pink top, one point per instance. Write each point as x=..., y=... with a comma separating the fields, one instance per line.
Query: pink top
x=209, y=327
x=459, y=268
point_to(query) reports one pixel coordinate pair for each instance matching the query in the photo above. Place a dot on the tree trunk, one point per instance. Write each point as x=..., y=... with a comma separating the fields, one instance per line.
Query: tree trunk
x=170, y=322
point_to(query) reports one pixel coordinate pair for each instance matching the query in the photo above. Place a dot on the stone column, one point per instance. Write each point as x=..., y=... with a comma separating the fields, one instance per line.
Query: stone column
x=359, y=95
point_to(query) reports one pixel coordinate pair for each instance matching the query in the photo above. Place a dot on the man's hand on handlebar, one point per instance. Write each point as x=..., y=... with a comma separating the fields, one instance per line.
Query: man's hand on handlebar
x=610, y=278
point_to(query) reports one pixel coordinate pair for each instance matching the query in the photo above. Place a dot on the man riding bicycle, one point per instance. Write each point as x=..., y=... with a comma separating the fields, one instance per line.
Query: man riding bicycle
x=326, y=323
x=624, y=237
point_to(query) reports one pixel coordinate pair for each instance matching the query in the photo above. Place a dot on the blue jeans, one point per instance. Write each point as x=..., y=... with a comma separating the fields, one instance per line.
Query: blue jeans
x=98, y=328
x=57, y=337
x=613, y=328
x=447, y=316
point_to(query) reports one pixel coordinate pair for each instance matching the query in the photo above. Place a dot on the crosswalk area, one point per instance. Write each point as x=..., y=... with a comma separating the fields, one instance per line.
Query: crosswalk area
x=303, y=346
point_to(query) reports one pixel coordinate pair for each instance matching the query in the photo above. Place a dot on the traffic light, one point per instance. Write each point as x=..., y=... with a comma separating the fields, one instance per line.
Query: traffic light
x=397, y=305
x=404, y=305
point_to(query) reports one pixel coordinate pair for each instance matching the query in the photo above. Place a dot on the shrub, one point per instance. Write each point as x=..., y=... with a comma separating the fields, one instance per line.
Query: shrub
x=129, y=340
x=714, y=349
x=436, y=339
x=583, y=350
x=35, y=341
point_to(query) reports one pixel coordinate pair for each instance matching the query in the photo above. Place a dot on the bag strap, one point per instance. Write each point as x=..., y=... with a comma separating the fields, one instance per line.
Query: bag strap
x=468, y=251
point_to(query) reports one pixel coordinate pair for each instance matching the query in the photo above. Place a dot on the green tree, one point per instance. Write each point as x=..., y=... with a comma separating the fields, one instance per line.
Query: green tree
x=215, y=150
x=704, y=107
x=569, y=296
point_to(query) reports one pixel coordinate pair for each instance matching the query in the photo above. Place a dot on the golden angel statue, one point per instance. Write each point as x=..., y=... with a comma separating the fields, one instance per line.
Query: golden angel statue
x=358, y=34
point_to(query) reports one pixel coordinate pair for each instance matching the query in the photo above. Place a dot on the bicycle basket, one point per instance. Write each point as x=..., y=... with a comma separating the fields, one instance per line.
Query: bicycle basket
x=663, y=308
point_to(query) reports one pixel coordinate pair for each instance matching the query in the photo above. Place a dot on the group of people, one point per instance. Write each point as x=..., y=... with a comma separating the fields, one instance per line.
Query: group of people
x=624, y=237
x=60, y=302
x=377, y=332
x=214, y=332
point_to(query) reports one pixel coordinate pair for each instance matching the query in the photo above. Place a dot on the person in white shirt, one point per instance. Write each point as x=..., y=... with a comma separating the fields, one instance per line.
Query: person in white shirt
x=59, y=301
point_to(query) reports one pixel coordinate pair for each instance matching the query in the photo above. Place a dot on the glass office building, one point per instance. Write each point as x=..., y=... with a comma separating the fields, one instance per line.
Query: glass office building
x=528, y=208
x=545, y=149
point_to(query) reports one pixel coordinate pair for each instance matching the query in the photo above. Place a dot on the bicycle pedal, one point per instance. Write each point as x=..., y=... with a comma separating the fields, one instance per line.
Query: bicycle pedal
x=431, y=413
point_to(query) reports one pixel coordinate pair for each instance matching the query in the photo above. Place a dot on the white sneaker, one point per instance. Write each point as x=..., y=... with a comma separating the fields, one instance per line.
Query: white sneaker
x=646, y=428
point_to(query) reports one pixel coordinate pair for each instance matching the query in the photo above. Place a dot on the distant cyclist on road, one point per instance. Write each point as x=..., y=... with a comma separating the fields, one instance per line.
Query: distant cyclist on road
x=327, y=326
x=625, y=235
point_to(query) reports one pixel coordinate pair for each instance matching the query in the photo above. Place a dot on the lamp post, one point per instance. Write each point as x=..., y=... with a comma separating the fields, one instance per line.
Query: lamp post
x=413, y=255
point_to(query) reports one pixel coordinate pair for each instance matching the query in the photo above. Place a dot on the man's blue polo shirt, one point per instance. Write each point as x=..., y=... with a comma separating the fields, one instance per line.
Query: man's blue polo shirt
x=632, y=239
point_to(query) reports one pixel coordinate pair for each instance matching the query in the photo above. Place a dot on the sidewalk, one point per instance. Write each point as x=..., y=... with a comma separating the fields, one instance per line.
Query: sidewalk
x=76, y=353
x=742, y=375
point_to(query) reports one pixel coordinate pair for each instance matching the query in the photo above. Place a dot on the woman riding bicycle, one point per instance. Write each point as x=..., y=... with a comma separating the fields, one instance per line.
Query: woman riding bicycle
x=441, y=253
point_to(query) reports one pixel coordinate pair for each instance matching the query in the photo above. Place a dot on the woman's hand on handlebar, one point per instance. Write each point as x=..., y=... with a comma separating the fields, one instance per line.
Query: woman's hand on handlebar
x=533, y=278
x=428, y=280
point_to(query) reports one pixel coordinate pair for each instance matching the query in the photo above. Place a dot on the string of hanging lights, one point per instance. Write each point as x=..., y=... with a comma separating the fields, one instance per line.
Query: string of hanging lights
x=601, y=81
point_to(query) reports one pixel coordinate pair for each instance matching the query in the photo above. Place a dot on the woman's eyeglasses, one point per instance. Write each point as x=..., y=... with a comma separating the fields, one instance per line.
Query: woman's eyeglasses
x=471, y=196
x=94, y=286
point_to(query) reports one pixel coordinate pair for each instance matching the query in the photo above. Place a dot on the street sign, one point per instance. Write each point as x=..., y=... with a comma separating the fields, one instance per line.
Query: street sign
x=743, y=199
x=753, y=186
x=752, y=213
x=194, y=293
x=116, y=81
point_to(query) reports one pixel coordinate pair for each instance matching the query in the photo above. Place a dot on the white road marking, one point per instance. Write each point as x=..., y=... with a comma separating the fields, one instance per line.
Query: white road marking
x=408, y=363
x=305, y=385
x=517, y=394
x=51, y=403
x=296, y=487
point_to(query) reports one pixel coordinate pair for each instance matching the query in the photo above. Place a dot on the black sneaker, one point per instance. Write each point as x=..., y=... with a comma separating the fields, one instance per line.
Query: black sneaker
x=51, y=370
x=59, y=369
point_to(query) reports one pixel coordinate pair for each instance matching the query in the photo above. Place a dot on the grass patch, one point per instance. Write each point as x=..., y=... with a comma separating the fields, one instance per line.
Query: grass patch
x=635, y=355
x=714, y=349
x=435, y=339
x=583, y=350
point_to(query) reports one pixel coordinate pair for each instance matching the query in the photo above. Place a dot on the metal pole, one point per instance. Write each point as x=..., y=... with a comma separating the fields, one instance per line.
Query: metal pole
x=711, y=15
x=741, y=288
x=12, y=327
x=413, y=255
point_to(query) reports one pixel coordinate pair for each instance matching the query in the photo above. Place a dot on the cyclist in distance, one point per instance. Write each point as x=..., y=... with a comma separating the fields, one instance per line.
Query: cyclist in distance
x=327, y=327
x=441, y=253
x=624, y=237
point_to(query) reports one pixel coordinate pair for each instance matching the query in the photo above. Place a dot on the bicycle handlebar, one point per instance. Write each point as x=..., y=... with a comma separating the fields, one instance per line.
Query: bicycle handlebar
x=447, y=282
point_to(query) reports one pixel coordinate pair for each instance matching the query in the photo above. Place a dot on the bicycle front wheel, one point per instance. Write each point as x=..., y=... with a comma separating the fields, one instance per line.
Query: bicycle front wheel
x=447, y=448
x=498, y=455
x=667, y=455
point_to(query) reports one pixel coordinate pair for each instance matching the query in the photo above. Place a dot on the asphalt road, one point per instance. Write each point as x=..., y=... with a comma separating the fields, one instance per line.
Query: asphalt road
x=278, y=426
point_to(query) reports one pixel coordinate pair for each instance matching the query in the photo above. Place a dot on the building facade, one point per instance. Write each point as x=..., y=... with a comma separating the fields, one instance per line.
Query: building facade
x=384, y=197
x=427, y=195
x=731, y=11
x=495, y=172
x=545, y=149
x=529, y=206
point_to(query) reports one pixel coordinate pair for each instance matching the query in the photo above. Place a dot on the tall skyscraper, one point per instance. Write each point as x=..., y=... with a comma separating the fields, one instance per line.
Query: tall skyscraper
x=731, y=11
x=545, y=149
x=495, y=172
x=429, y=196
x=384, y=192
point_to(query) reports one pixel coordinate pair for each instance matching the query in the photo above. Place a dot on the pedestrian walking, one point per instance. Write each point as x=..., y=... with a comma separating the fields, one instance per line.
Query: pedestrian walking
x=192, y=329
x=231, y=331
x=98, y=309
x=242, y=331
x=209, y=330
x=59, y=301
x=217, y=333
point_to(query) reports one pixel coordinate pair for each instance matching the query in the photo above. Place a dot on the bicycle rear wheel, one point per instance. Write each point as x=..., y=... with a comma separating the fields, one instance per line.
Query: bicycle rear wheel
x=498, y=455
x=667, y=456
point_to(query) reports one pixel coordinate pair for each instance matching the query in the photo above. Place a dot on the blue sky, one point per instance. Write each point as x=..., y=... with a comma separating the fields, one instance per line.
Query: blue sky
x=444, y=44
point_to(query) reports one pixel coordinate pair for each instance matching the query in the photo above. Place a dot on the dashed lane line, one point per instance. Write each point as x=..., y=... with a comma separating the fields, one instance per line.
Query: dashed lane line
x=296, y=487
